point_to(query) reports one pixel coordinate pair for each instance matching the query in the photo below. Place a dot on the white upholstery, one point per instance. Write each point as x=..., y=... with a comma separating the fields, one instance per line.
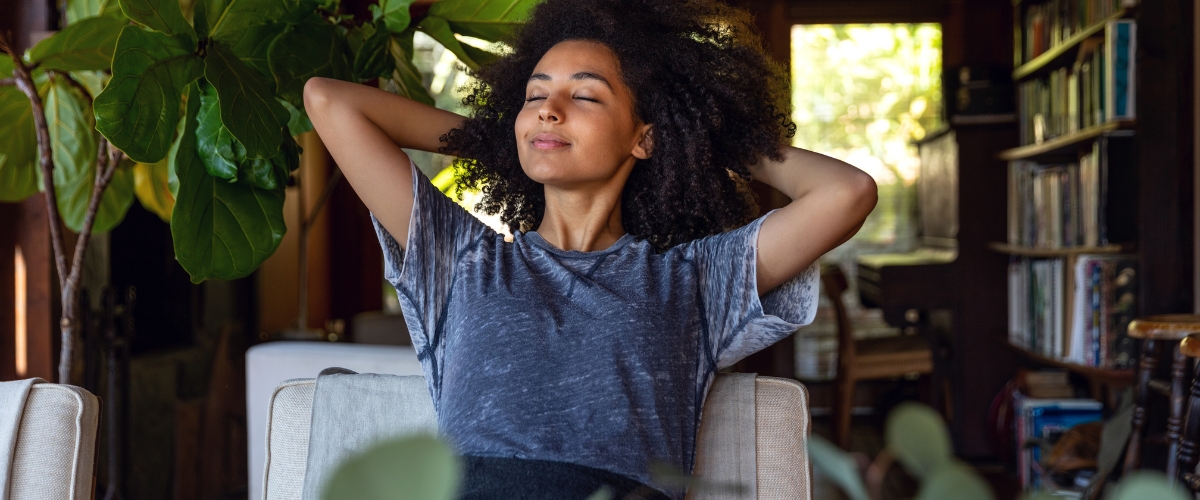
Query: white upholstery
x=781, y=433
x=56, y=444
x=270, y=363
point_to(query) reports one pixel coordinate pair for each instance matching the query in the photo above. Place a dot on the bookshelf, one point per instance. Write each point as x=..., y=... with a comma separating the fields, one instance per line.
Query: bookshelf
x=1071, y=187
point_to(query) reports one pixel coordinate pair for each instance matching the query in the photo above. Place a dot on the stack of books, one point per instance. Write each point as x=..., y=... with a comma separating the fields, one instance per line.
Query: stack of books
x=1084, y=321
x=1050, y=24
x=1040, y=422
x=1098, y=88
x=1059, y=205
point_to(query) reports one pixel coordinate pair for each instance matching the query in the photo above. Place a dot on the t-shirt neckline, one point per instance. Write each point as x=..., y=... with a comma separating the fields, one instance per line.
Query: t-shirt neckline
x=537, y=239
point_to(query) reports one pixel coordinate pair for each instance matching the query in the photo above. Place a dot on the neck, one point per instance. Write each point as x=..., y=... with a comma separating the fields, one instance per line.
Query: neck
x=582, y=220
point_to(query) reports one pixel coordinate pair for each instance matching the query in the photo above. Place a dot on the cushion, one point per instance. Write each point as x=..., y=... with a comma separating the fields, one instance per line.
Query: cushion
x=56, y=444
x=780, y=414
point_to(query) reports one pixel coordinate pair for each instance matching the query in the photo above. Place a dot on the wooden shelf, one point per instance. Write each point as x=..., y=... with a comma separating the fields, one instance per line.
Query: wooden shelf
x=1024, y=251
x=1063, y=143
x=1066, y=48
x=1109, y=375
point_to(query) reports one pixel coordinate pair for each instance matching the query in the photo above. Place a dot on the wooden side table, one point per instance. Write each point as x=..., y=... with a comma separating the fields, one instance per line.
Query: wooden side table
x=1154, y=331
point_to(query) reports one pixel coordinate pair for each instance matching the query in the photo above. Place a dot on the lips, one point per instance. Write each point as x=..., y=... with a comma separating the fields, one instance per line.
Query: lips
x=547, y=140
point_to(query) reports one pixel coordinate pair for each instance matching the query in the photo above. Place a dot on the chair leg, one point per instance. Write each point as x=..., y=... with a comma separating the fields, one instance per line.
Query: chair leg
x=1133, y=454
x=1191, y=433
x=1175, y=421
x=843, y=411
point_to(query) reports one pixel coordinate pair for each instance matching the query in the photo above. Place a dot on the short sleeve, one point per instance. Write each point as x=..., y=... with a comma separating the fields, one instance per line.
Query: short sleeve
x=422, y=272
x=739, y=322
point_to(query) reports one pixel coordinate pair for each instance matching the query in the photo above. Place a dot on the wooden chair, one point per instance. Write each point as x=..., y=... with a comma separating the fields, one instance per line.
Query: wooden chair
x=1190, y=440
x=1153, y=331
x=866, y=359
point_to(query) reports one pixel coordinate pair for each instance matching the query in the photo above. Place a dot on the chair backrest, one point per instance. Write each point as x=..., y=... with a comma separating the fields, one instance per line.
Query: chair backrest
x=56, y=444
x=834, y=281
x=781, y=430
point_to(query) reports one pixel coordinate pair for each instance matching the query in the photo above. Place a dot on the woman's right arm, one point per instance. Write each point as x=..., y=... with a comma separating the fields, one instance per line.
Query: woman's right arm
x=364, y=128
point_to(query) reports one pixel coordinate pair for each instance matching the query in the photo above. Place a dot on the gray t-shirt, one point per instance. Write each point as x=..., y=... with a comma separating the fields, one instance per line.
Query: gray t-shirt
x=601, y=359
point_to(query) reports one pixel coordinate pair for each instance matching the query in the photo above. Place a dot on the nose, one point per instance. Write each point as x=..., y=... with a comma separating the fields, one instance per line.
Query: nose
x=550, y=110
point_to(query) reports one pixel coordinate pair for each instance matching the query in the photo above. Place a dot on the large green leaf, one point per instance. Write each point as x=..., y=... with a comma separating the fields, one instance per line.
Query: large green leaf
x=371, y=58
x=394, y=14
x=214, y=143
x=406, y=79
x=139, y=108
x=417, y=467
x=248, y=106
x=93, y=81
x=82, y=9
x=304, y=50
x=1144, y=485
x=227, y=20
x=954, y=479
x=438, y=29
x=18, y=145
x=298, y=122
x=253, y=46
x=220, y=230
x=73, y=140
x=918, y=438
x=838, y=466
x=491, y=20
x=85, y=45
x=159, y=15
x=224, y=157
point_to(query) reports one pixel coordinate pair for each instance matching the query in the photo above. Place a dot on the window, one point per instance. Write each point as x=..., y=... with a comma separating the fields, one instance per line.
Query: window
x=862, y=93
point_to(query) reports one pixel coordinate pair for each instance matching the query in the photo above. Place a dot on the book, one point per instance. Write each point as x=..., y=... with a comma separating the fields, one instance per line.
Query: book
x=1120, y=43
x=1040, y=422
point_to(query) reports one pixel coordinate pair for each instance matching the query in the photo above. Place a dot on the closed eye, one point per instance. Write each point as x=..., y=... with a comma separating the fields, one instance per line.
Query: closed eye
x=534, y=98
x=587, y=99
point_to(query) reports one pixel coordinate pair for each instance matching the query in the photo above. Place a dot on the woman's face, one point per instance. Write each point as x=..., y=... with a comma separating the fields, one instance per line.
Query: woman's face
x=577, y=127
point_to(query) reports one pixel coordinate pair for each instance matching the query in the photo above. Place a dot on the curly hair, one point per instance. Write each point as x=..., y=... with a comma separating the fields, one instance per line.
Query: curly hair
x=697, y=72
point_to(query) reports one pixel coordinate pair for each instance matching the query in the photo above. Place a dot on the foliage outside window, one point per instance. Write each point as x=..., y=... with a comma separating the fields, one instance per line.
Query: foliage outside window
x=863, y=93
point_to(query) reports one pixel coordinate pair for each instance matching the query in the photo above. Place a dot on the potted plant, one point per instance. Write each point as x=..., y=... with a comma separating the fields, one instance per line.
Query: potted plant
x=191, y=107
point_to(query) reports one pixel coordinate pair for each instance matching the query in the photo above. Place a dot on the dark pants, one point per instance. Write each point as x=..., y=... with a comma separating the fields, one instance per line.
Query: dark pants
x=490, y=478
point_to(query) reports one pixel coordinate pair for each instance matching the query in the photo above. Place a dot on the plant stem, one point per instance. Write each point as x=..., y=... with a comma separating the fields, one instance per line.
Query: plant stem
x=106, y=165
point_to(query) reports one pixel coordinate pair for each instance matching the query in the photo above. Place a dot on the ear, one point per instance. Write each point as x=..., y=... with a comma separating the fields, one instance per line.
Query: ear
x=645, y=143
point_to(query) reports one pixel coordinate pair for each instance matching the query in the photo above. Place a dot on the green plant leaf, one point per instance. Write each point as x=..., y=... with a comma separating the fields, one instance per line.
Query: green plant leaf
x=405, y=77
x=78, y=10
x=838, y=466
x=139, y=107
x=372, y=59
x=303, y=51
x=151, y=185
x=214, y=143
x=73, y=141
x=18, y=143
x=954, y=479
x=491, y=20
x=394, y=13
x=85, y=45
x=1143, y=485
x=918, y=438
x=253, y=46
x=298, y=122
x=413, y=468
x=248, y=106
x=93, y=81
x=227, y=20
x=438, y=29
x=159, y=15
x=220, y=230
x=224, y=157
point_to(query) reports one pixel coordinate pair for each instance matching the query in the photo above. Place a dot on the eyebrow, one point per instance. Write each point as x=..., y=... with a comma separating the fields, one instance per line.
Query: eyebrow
x=582, y=75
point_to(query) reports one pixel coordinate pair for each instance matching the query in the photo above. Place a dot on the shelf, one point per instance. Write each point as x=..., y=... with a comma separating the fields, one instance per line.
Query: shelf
x=1067, y=47
x=1111, y=375
x=1062, y=143
x=1024, y=251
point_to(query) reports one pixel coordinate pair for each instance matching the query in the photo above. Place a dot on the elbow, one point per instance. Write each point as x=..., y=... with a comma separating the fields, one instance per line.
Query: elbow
x=861, y=193
x=317, y=93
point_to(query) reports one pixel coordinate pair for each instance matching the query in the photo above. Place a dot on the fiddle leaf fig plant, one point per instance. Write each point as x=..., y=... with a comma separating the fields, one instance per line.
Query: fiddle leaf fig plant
x=191, y=106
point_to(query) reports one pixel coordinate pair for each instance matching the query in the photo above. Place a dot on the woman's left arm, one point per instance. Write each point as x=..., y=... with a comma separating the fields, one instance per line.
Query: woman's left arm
x=830, y=201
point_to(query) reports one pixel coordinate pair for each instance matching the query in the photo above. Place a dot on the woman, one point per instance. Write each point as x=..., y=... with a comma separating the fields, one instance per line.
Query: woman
x=616, y=141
